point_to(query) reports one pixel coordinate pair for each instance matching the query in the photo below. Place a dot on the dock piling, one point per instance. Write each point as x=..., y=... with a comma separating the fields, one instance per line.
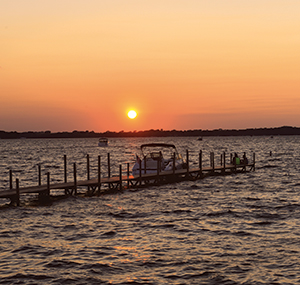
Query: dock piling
x=120, y=176
x=140, y=172
x=158, y=169
x=212, y=161
x=128, y=173
x=10, y=179
x=187, y=163
x=174, y=164
x=99, y=174
x=88, y=166
x=75, y=177
x=65, y=168
x=39, y=175
x=88, y=170
x=44, y=196
x=108, y=163
x=17, y=192
x=200, y=164
x=48, y=184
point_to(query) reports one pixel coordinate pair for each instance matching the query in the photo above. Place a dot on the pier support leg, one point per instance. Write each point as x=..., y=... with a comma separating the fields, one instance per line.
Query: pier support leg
x=17, y=193
x=212, y=162
x=65, y=174
x=10, y=179
x=200, y=164
x=75, y=178
x=174, y=167
x=224, y=162
x=88, y=171
x=99, y=174
x=128, y=184
x=39, y=175
x=108, y=168
x=108, y=164
x=15, y=199
x=140, y=172
x=120, y=176
x=44, y=197
x=187, y=164
x=65, y=168
x=158, y=169
x=48, y=184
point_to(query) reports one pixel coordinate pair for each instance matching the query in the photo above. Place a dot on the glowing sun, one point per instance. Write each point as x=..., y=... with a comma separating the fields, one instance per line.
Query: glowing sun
x=131, y=114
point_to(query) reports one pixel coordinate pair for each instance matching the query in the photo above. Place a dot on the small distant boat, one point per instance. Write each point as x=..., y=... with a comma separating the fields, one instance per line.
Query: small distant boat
x=103, y=142
x=200, y=139
x=157, y=155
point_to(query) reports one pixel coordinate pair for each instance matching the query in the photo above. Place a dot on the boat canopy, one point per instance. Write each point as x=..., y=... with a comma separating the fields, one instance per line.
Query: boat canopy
x=157, y=145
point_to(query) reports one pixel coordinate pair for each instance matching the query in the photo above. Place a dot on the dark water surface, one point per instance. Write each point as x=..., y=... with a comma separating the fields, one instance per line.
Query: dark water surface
x=235, y=229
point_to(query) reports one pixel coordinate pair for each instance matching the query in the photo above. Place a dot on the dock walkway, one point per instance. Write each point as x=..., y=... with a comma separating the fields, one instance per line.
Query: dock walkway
x=121, y=181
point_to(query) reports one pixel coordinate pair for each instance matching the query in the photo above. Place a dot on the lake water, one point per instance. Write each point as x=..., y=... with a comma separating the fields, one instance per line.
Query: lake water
x=234, y=229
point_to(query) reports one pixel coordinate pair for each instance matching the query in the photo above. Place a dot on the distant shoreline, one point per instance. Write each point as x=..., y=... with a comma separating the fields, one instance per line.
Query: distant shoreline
x=283, y=131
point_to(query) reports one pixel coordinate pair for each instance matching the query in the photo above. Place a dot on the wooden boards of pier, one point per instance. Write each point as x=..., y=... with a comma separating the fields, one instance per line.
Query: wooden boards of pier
x=117, y=182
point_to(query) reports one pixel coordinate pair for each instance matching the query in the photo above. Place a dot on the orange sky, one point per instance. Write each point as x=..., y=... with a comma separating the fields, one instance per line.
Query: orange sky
x=67, y=65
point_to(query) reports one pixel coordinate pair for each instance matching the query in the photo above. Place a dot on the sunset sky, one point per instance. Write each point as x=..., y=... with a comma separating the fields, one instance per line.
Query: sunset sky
x=180, y=64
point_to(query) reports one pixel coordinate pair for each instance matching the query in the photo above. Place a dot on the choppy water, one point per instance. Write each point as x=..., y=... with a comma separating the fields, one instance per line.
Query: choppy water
x=236, y=229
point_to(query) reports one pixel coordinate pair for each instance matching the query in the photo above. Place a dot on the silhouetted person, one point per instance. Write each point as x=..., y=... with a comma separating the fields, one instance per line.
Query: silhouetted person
x=245, y=159
x=236, y=160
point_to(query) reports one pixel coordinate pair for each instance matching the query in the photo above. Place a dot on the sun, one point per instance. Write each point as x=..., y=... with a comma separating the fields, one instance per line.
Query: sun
x=131, y=114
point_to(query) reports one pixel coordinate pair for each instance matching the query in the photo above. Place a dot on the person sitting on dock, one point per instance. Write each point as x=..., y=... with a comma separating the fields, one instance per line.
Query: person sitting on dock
x=236, y=160
x=245, y=159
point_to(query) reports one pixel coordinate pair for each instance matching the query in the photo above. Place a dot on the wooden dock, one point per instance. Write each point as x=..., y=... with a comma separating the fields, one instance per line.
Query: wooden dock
x=121, y=181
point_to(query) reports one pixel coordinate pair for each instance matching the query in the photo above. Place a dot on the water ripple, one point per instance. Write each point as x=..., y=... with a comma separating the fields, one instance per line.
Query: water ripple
x=235, y=229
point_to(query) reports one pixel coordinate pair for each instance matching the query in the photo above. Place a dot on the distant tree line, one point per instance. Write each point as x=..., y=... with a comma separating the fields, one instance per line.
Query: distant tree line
x=285, y=130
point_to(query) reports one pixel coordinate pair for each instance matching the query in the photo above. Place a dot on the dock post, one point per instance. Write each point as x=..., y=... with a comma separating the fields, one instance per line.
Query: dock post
x=140, y=172
x=200, y=164
x=213, y=161
x=174, y=165
x=231, y=158
x=44, y=196
x=40, y=174
x=65, y=168
x=120, y=176
x=158, y=169
x=75, y=178
x=10, y=179
x=187, y=163
x=65, y=174
x=221, y=159
x=88, y=166
x=128, y=175
x=99, y=174
x=48, y=184
x=108, y=163
x=224, y=162
x=17, y=192
x=88, y=170
x=108, y=168
x=253, y=161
